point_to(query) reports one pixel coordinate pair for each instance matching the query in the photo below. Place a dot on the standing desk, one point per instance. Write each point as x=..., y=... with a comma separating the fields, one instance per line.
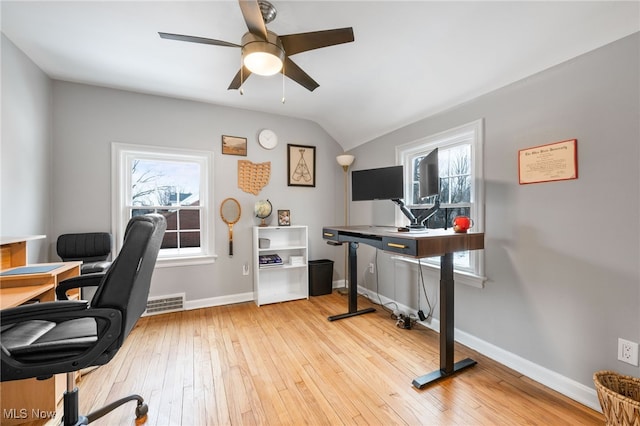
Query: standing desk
x=433, y=242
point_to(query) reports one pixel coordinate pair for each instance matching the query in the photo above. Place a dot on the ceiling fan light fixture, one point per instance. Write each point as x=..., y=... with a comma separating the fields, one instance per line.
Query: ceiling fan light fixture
x=262, y=57
x=263, y=63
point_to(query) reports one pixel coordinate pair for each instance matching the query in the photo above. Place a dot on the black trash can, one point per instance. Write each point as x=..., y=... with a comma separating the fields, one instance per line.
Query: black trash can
x=320, y=277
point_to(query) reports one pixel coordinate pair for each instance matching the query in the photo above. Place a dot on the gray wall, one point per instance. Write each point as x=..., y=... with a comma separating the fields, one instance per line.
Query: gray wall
x=25, y=150
x=87, y=119
x=561, y=258
x=71, y=126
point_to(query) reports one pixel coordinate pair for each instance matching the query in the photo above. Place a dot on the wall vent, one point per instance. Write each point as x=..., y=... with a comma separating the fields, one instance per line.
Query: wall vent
x=164, y=304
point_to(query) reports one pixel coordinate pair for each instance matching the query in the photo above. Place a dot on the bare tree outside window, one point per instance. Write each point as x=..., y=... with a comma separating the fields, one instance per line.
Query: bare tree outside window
x=454, y=165
x=171, y=189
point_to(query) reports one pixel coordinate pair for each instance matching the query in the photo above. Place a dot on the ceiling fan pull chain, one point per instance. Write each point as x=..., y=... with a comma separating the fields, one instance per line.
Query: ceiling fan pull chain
x=283, y=83
x=241, y=73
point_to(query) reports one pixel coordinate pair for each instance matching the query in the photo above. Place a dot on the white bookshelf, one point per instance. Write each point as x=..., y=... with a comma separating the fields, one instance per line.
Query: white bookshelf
x=288, y=281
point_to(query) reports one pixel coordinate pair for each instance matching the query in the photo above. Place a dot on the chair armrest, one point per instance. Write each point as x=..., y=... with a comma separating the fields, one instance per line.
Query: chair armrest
x=88, y=280
x=41, y=310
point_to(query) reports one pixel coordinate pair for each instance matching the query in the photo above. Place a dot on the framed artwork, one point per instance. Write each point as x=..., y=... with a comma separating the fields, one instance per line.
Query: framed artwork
x=284, y=218
x=234, y=145
x=548, y=163
x=301, y=165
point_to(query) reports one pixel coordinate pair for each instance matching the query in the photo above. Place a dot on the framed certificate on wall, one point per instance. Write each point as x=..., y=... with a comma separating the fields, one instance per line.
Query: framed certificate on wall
x=548, y=163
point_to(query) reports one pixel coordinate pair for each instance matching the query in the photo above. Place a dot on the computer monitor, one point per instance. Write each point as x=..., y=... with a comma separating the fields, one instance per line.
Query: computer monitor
x=429, y=175
x=385, y=183
x=429, y=186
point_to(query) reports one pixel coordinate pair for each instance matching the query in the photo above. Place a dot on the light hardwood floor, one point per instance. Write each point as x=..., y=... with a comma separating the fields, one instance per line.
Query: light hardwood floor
x=285, y=364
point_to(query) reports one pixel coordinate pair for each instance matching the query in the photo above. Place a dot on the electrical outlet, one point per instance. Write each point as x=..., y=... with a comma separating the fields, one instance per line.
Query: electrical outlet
x=372, y=268
x=245, y=268
x=628, y=352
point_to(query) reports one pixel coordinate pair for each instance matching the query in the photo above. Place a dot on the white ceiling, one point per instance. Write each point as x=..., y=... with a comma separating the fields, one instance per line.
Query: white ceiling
x=409, y=59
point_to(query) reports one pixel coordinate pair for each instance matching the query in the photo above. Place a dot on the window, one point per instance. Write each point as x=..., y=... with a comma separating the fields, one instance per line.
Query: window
x=172, y=182
x=461, y=188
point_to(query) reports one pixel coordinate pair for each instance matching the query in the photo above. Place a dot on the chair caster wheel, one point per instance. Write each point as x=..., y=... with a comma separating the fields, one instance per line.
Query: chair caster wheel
x=141, y=413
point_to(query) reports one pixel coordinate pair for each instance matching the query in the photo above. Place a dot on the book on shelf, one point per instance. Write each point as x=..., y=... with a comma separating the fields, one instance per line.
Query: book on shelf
x=269, y=260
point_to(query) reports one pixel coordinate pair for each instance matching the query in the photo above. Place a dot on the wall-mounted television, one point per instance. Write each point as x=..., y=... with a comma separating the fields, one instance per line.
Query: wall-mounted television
x=385, y=183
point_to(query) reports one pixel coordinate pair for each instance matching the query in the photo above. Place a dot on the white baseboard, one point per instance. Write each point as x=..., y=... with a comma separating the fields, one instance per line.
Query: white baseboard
x=566, y=386
x=218, y=301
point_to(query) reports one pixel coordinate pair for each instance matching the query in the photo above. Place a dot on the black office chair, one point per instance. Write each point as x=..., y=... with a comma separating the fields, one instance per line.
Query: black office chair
x=43, y=339
x=92, y=248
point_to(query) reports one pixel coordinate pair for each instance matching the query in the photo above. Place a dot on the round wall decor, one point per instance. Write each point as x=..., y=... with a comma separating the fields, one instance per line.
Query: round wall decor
x=268, y=139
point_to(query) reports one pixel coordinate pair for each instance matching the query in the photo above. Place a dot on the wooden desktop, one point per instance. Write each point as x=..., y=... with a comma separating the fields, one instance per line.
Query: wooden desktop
x=432, y=242
x=30, y=400
x=13, y=250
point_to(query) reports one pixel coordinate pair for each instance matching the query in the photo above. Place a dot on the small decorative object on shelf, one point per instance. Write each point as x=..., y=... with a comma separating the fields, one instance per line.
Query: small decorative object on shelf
x=263, y=209
x=284, y=218
x=296, y=260
x=461, y=224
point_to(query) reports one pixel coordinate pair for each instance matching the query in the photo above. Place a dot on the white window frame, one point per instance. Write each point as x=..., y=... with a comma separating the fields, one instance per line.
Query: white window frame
x=122, y=156
x=472, y=133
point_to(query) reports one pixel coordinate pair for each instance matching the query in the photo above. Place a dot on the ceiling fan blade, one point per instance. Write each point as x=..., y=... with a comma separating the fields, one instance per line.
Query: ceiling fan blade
x=253, y=17
x=296, y=74
x=194, y=39
x=236, y=82
x=302, y=42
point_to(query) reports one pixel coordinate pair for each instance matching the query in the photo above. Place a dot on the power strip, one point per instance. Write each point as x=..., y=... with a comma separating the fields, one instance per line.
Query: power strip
x=404, y=322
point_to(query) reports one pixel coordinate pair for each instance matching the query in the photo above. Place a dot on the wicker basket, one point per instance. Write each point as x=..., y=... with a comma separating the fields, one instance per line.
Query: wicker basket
x=619, y=398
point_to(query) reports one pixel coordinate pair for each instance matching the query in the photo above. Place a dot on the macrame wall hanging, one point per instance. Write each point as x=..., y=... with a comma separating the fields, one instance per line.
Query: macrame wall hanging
x=252, y=177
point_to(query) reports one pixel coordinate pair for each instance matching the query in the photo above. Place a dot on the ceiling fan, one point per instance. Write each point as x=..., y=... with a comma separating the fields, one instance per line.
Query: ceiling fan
x=266, y=53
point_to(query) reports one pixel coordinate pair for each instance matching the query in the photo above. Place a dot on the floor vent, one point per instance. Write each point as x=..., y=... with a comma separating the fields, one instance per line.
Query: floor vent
x=164, y=304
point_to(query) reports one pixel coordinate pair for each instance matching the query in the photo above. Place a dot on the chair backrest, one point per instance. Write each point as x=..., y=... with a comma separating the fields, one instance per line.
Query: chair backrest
x=125, y=285
x=88, y=246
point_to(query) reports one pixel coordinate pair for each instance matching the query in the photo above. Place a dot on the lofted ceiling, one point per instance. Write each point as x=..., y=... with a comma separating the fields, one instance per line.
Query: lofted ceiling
x=409, y=60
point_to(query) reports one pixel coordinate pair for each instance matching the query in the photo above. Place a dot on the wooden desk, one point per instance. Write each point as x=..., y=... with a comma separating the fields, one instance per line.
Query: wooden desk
x=16, y=296
x=63, y=271
x=32, y=400
x=433, y=242
x=13, y=250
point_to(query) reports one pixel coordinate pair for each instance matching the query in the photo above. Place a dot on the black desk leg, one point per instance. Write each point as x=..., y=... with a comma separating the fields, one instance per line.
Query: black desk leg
x=447, y=366
x=353, y=287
